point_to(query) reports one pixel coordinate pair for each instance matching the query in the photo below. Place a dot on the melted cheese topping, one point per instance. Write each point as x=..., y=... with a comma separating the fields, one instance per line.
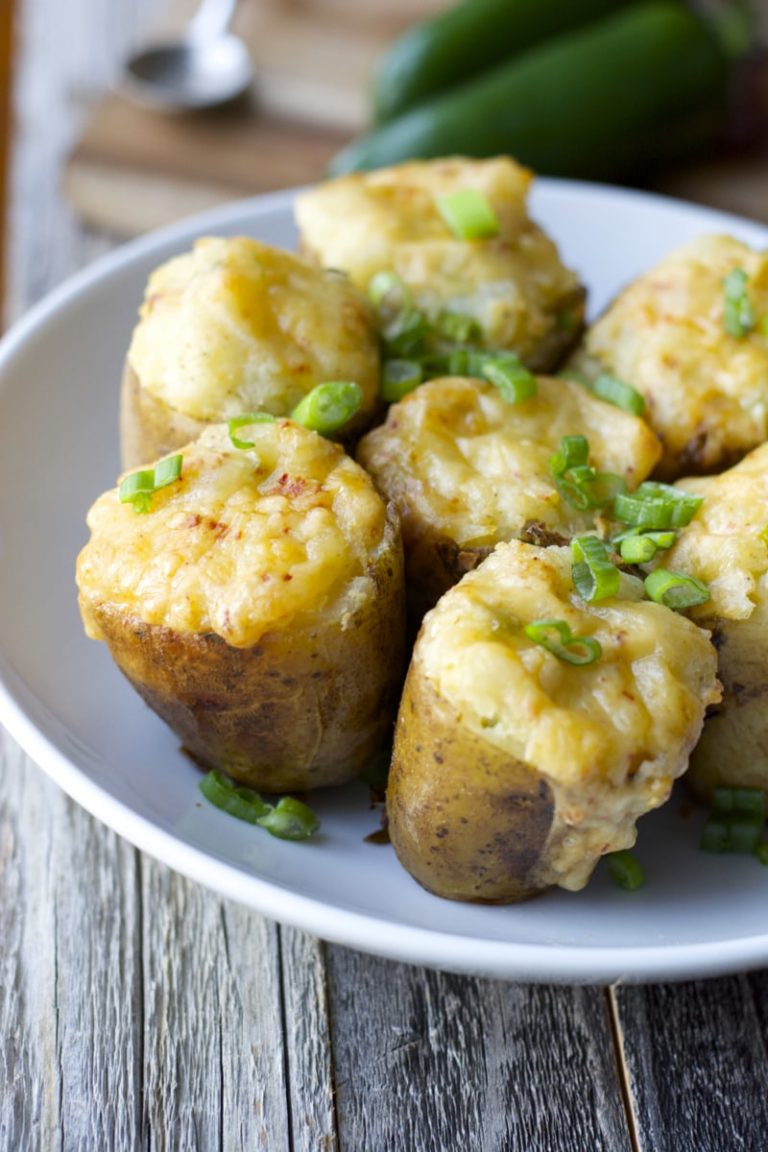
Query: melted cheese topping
x=235, y=326
x=611, y=737
x=513, y=285
x=455, y=455
x=706, y=391
x=725, y=545
x=244, y=542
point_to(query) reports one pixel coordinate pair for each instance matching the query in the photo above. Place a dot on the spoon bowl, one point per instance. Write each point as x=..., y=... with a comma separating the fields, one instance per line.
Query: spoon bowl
x=189, y=73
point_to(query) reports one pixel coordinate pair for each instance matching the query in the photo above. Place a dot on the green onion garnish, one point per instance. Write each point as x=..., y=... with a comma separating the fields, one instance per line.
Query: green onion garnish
x=573, y=453
x=459, y=328
x=329, y=406
x=289, y=819
x=242, y=422
x=639, y=549
x=675, y=590
x=398, y=378
x=656, y=506
x=594, y=576
x=750, y=802
x=557, y=638
x=579, y=484
x=138, y=488
x=511, y=377
x=738, y=314
x=618, y=393
x=735, y=824
x=625, y=870
x=468, y=214
x=731, y=835
x=387, y=288
x=404, y=334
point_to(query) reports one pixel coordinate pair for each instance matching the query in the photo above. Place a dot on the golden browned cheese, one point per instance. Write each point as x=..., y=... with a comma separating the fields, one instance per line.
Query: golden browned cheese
x=726, y=546
x=706, y=391
x=514, y=770
x=235, y=326
x=466, y=469
x=258, y=605
x=514, y=285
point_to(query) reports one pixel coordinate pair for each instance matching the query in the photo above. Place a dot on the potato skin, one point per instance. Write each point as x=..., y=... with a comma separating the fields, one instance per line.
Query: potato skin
x=150, y=428
x=466, y=820
x=304, y=708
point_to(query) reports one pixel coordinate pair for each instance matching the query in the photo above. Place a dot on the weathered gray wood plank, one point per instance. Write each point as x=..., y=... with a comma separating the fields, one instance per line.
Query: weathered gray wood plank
x=696, y=1064
x=436, y=1063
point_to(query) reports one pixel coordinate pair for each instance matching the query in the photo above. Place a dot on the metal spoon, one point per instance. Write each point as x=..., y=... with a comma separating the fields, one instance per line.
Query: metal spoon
x=207, y=66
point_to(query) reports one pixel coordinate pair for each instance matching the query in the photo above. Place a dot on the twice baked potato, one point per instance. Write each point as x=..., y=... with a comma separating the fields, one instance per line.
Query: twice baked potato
x=257, y=606
x=515, y=770
x=513, y=285
x=466, y=469
x=726, y=546
x=687, y=335
x=235, y=326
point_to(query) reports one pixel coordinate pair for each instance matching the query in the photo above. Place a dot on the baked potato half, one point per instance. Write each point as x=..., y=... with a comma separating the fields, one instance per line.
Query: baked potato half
x=466, y=469
x=726, y=546
x=235, y=326
x=687, y=335
x=514, y=770
x=257, y=606
x=512, y=285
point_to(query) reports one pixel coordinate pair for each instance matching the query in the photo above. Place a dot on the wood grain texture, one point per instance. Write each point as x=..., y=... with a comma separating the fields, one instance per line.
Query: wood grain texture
x=696, y=1064
x=431, y=1062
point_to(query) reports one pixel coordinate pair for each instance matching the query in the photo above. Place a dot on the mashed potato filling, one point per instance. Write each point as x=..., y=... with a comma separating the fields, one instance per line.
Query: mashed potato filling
x=610, y=738
x=455, y=455
x=244, y=542
x=234, y=326
x=513, y=285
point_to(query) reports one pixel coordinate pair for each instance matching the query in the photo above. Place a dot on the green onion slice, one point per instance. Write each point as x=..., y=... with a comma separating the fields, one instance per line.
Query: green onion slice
x=398, y=378
x=625, y=870
x=243, y=422
x=289, y=819
x=594, y=576
x=656, y=506
x=584, y=488
x=731, y=835
x=573, y=453
x=404, y=334
x=675, y=590
x=738, y=314
x=468, y=214
x=511, y=377
x=459, y=328
x=750, y=802
x=557, y=638
x=387, y=289
x=137, y=488
x=640, y=549
x=329, y=406
x=467, y=362
x=618, y=393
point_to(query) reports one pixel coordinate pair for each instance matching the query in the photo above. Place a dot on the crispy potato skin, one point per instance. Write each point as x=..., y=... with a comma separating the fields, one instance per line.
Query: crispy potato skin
x=150, y=428
x=304, y=708
x=466, y=820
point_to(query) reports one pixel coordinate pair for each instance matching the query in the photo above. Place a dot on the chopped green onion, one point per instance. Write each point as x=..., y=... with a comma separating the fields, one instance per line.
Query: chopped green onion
x=619, y=393
x=406, y=332
x=625, y=871
x=138, y=488
x=458, y=327
x=751, y=802
x=398, y=378
x=511, y=377
x=675, y=590
x=573, y=453
x=639, y=549
x=557, y=638
x=594, y=576
x=738, y=314
x=735, y=834
x=656, y=506
x=328, y=407
x=243, y=422
x=383, y=287
x=289, y=819
x=468, y=214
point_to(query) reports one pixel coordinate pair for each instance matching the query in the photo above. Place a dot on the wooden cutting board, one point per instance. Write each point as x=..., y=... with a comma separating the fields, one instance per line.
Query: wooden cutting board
x=135, y=169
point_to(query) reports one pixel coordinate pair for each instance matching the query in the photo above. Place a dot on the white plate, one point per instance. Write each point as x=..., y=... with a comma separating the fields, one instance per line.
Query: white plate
x=63, y=700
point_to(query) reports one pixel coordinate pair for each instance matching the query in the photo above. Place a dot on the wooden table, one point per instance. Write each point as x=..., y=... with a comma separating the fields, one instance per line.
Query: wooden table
x=139, y=1011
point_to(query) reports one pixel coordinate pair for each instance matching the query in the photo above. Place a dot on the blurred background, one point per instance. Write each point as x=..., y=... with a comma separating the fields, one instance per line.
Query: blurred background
x=624, y=91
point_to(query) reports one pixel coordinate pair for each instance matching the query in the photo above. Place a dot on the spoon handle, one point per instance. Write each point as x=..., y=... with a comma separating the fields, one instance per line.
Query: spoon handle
x=212, y=19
